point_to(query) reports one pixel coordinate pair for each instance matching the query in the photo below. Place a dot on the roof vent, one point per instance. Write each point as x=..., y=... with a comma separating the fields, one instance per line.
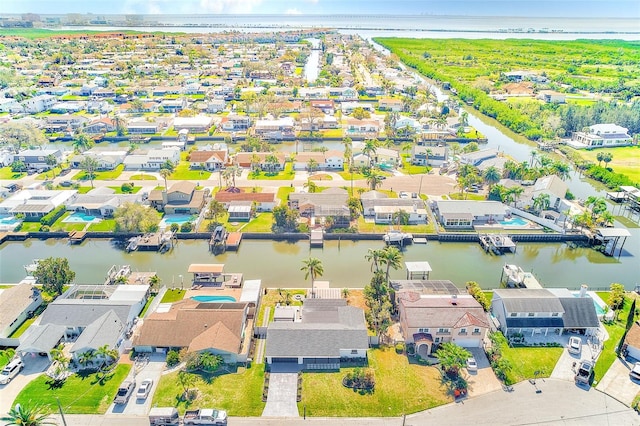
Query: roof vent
x=454, y=299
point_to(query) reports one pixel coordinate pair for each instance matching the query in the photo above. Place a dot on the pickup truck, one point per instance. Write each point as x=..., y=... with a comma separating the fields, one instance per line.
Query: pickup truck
x=583, y=375
x=205, y=416
x=124, y=392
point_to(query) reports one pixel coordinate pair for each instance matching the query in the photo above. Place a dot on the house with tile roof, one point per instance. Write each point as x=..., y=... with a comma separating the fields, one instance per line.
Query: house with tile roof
x=219, y=328
x=326, y=332
x=428, y=320
x=208, y=160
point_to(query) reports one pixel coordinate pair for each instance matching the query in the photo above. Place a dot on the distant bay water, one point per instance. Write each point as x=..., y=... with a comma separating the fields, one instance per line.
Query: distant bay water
x=418, y=26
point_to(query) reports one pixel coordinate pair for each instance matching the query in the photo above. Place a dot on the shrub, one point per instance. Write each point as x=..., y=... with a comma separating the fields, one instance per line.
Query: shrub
x=54, y=215
x=186, y=227
x=44, y=228
x=360, y=379
x=173, y=358
x=400, y=348
x=127, y=187
x=175, y=227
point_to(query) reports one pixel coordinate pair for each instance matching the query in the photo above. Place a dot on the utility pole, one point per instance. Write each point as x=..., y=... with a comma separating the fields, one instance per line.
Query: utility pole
x=64, y=421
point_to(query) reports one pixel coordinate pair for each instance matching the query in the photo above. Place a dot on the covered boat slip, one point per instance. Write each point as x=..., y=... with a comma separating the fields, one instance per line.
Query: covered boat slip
x=213, y=275
x=610, y=238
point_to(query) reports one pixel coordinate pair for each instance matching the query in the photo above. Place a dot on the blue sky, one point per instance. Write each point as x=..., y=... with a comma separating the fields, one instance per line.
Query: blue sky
x=543, y=8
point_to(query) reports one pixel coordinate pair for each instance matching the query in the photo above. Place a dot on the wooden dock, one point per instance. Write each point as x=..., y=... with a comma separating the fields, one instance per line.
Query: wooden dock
x=233, y=240
x=217, y=242
x=497, y=243
x=156, y=241
x=316, y=238
x=76, y=237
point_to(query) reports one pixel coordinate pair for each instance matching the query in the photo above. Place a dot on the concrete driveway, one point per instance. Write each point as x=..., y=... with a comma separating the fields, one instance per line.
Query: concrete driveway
x=617, y=383
x=484, y=380
x=151, y=370
x=33, y=367
x=565, y=368
x=281, y=399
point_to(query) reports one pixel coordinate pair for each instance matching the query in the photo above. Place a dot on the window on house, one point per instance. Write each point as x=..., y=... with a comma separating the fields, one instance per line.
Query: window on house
x=443, y=330
x=463, y=331
x=555, y=314
x=423, y=330
x=354, y=351
x=437, y=340
x=531, y=314
x=513, y=314
x=476, y=330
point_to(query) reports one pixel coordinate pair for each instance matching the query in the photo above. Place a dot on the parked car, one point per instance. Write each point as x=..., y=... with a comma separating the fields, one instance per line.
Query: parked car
x=403, y=195
x=144, y=389
x=10, y=371
x=575, y=345
x=472, y=365
x=583, y=375
x=635, y=371
x=66, y=183
x=124, y=391
x=164, y=416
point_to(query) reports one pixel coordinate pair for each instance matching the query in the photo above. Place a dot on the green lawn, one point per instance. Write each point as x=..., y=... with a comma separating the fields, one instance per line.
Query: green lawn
x=183, y=172
x=261, y=223
x=625, y=159
x=50, y=174
x=59, y=225
x=239, y=392
x=143, y=176
x=146, y=306
x=286, y=174
x=372, y=228
x=274, y=296
x=346, y=175
x=173, y=295
x=615, y=330
x=105, y=225
x=5, y=356
x=30, y=227
x=118, y=190
x=283, y=193
x=401, y=388
x=526, y=361
x=467, y=196
x=78, y=395
x=106, y=175
x=23, y=327
x=6, y=173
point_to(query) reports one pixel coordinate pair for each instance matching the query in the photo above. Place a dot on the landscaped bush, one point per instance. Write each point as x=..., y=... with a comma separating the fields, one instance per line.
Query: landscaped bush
x=50, y=218
x=127, y=187
x=174, y=227
x=186, y=227
x=400, y=348
x=173, y=358
x=360, y=380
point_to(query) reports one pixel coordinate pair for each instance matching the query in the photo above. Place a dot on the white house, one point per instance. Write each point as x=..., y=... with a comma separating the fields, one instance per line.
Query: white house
x=601, y=136
x=38, y=104
x=17, y=303
x=465, y=214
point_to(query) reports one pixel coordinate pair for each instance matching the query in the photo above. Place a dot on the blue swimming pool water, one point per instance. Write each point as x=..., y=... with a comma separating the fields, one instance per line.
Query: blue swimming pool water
x=514, y=221
x=79, y=217
x=214, y=298
x=177, y=218
x=9, y=220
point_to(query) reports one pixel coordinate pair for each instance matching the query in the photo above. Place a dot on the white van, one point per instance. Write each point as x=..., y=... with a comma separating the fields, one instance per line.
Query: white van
x=10, y=371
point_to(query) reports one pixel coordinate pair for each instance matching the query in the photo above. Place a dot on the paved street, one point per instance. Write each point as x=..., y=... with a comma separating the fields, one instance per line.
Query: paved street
x=33, y=367
x=617, y=383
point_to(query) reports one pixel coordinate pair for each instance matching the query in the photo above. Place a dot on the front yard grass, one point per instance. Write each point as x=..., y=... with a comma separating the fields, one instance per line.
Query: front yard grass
x=118, y=190
x=400, y=388
x=283, y=193
x=616, y=331
x=372, y=228
x=286, y=174
x=90, y=394
x=526, y=361
x=239, y=392
x=261, y=223
x=183, y=172
x=5, y=356
x=143, y=176
x=173, y=295
x=346, y=175
x=105, y=175
x=6, y=173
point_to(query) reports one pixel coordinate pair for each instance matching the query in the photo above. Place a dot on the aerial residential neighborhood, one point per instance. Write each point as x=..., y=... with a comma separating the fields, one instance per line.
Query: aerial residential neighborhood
x=247, y=226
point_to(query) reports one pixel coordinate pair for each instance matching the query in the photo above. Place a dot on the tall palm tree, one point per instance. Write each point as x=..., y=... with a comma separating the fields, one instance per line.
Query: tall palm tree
x=89, y=165
x=28, y=415
x=541, y=201
x=392, y=257
x=165, y=173
x=374, y=257
x=348, y=150
x=369, y=149
x=374, y=179
x=492, y=176
x=313, y=268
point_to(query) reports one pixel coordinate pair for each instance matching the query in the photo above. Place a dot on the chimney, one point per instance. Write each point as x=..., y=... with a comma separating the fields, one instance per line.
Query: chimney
x=454, y=299
x=583, y=290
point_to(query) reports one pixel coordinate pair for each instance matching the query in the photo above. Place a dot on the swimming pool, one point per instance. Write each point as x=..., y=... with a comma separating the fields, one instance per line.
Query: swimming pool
x=178, y=219
x=223, y=299
x=515, y=221
x=9, y=220
x=79, y=217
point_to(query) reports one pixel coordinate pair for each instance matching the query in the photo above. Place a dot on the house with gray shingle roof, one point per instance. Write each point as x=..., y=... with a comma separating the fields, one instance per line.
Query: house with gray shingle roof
x=543, y=311
x=330, y=202
x=327, y=332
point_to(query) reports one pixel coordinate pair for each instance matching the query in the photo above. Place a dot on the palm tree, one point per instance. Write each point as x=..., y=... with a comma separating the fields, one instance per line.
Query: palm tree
x=374, y=179
x=492, y=176
x=310, y=186
x=230, y=174
x=369, y=149
x=82, y=142
x=514, y=193
x=89, y=165
x=541, y=201
x=392, y=257
x=28, y=415
x=312, y=267
x=374, y=256
x=86, y=358
x=216, y=209
x=165, y=173
x=348, y=150
x=155, y=282
x=312, y=165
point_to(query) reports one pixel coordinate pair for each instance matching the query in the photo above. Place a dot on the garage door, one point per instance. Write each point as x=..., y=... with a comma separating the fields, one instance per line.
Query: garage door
x=468, y=343
x=280, y=360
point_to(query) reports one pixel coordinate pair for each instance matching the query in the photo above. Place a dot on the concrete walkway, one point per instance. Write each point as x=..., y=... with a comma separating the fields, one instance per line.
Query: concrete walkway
x=33, y=367
x=281, y=399
x=617, y=383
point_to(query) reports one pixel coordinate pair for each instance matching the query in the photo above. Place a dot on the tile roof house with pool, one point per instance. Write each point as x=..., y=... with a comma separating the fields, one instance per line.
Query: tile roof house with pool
x=542, y=311
x=220, y=328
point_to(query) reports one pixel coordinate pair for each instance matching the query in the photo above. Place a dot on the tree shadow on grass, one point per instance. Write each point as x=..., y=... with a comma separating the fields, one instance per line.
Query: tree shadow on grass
x=55, y=383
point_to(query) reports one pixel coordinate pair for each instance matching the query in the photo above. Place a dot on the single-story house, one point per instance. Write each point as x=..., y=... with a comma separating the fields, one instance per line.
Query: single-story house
x=181, y=198
x=467, y=213
x=208, y=160
x=17, y=303
x=328, y=332
x=107, y=160
x=35, y=204
x=218, y=328
x=331, y=202
x=328, y=160
x=246, y=160
x=428, y=320
x=198, y=124
x=264, y=201
x=101, y=202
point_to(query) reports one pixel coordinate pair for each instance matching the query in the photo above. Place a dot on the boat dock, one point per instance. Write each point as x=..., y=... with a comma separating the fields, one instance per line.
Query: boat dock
x=514, y=276
x=497, y=243
x=316, y=238
x=156, y=241
x=76, y=237
x=233, y=240
x=217, y=242
x=394, y=236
